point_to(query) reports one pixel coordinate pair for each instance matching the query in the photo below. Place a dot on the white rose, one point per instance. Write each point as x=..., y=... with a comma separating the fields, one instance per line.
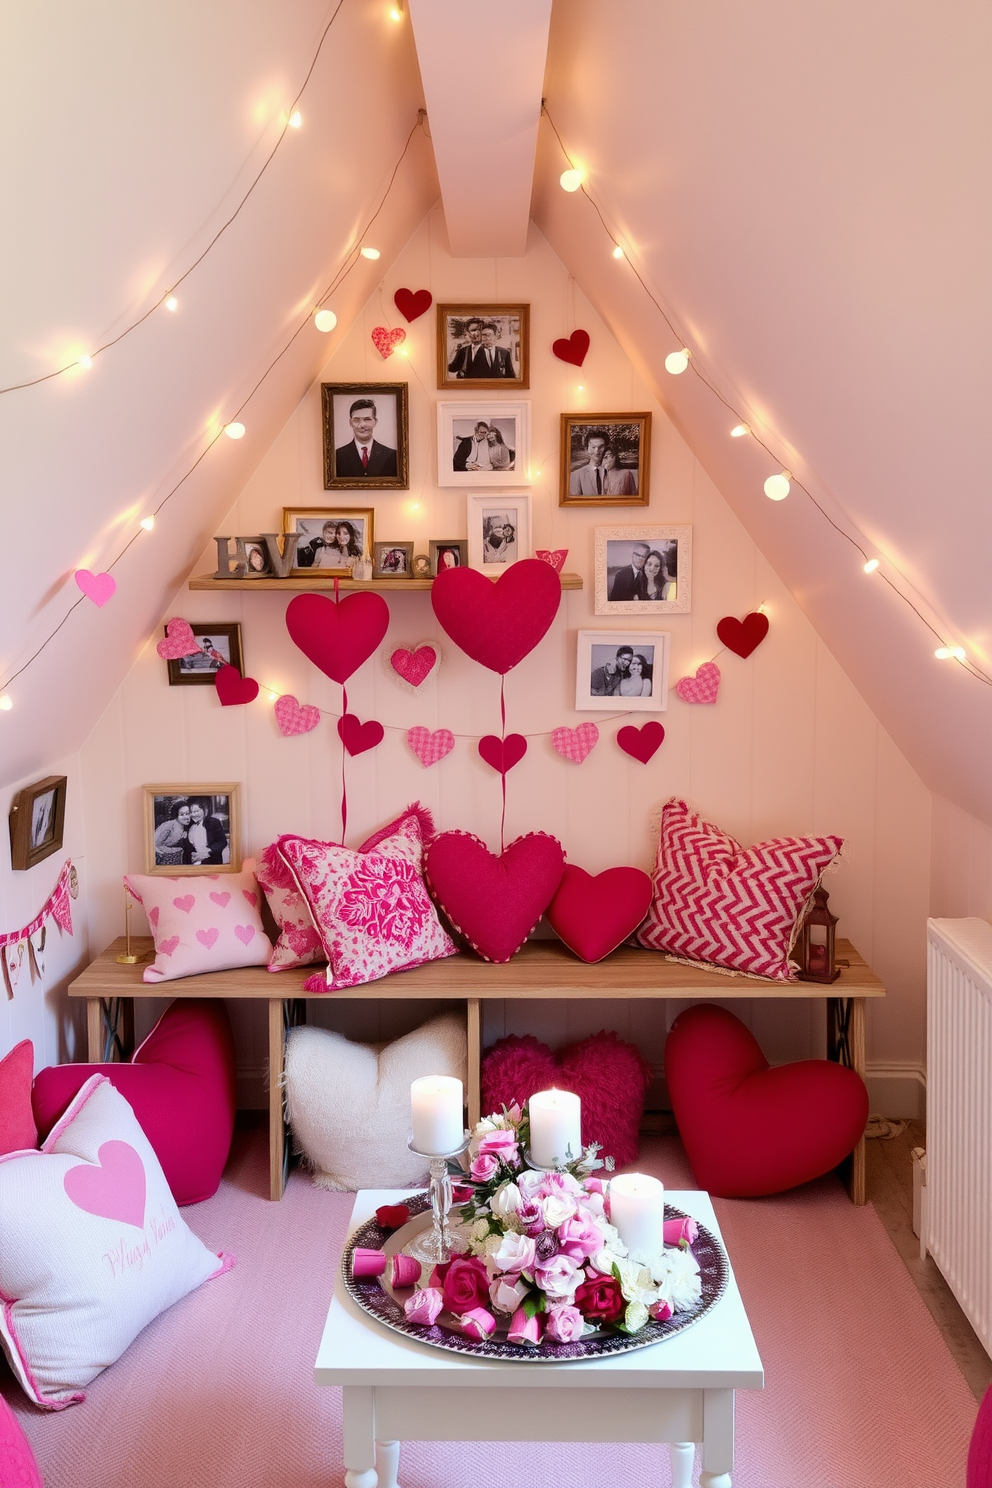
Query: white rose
x=507, y=1297
x=515, y=1253
x=556, y=1209
x=611, y=1239
x=505, y=1201
x=685, y=1287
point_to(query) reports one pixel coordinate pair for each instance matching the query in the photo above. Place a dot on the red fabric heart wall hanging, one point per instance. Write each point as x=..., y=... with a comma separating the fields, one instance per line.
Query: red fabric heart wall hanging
x=743, y=636
x=386, y=341
x=497, y=624
x=494, y=902
x=593, y=915
x=233, y=689
x=357, y=736
x=572, y=348
x=337, y=638
x=503, y=754
x=412, y=303
x=414, y=667
x=641, y=743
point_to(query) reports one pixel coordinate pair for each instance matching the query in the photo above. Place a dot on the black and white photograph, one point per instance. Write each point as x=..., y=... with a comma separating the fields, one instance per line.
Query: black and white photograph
x=421, y=566
x=481, y=346
x=620, y=671
x=219, y=645
x=42, y=819
x=37, y=817
x=253, y=558
x=499, y=530
x=191, y=829
x=366, y=442
x=605, y=459
x=329, y=539
x=483, y=444
x=391, y=560
x=640, y=570
x=447, y=552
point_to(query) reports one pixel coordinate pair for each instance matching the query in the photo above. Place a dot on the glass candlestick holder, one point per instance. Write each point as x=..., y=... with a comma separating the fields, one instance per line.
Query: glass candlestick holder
x=433, y=1246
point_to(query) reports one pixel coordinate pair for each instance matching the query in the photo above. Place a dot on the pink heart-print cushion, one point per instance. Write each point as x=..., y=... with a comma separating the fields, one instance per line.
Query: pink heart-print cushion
x=593, y=915
x=702, y=687
x=386, y=341
x=748, y=1129
x=497, y=624
x=495, y=902
x=503, y=754
x=573, y=348
x=114, y=1190
x=414, y=666
x=743, y=636
x=293, y=717
x=179, y=640
x=430, y=747
x=412, y=303
x=337, y=638
x=233, y=689
x=97, y=587
x=575, y=744
x=641, y=743
x=357, y=736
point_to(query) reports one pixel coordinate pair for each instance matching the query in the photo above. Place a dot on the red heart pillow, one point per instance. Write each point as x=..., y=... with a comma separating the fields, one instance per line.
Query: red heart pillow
x=609, y=1077
x=494, y=902
x=750, y=1130
x=594, y=914
x=497, y=624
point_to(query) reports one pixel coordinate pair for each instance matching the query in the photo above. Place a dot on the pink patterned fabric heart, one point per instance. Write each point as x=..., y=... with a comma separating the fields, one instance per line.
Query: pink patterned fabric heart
x=357, y=736
x=576, y=743
x=245, y=933
x=293, y=717
x=413, y=666
x=185, y=903
x=430, y=747
x=503, y=754
x=703, y=687
x=221, y=899
x=179, y=640
x=208, y=938
x=386, y=341
x=97, y=587
x=114, y=1190
x=555, y=556
x=641, y=743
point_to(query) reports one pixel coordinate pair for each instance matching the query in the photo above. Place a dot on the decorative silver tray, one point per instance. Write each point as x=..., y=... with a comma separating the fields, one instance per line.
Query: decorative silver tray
x=376, y=1297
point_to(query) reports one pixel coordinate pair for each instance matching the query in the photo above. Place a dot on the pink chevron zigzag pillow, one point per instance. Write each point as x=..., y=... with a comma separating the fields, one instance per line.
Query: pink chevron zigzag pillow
x=737, y=907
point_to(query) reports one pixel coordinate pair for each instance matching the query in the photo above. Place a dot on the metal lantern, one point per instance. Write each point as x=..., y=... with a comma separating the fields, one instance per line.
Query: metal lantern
x=816, y=943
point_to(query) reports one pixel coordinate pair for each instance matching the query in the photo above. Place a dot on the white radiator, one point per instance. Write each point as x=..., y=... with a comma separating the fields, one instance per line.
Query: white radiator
x=957, y=1224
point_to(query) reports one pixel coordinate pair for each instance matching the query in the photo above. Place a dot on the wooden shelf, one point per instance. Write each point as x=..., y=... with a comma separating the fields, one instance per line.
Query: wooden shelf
x=313, y=582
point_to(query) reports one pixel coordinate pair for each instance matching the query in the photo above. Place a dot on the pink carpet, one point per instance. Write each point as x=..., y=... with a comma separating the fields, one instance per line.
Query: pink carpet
x=860, y=1392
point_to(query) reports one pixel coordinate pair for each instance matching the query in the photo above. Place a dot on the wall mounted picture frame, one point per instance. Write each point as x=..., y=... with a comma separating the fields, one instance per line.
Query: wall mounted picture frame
x=392, y=560
x=37, y=822
x=220, y=645
x=330, y=538
x=483, y=444
x=644, y=570
x=621, y=671
x=499, y=529
x=371, y=417
x=192, y=828
x=448, y=552
x=483, y=346
x=605, y=459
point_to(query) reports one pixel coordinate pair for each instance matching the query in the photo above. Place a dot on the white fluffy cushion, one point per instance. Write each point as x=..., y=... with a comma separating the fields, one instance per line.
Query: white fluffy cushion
x=349, y=1104
x=92, y=1247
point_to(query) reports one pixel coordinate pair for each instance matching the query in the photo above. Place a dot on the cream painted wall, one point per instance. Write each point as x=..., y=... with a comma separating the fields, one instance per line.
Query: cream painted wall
x=790, y=747
x=960, y=863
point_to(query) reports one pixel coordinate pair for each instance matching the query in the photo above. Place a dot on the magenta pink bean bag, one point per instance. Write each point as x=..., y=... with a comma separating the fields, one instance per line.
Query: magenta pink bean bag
x=180, y=1084
x=18, y=1468
x=980, y=1450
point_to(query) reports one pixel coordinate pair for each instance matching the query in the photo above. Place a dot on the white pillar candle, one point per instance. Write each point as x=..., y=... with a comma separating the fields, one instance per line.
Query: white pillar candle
x=637, y=1210
x=438, y=1124
x=555, y=1127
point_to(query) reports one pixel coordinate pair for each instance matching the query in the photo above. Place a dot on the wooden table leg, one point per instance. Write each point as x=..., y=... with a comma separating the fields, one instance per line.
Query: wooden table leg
x=846, y=1019
x=94, y=1030
x=474, y=1032
x=277, y=1126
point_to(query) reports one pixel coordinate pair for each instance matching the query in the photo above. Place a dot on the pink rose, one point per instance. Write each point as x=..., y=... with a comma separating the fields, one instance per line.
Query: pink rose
x=579, y=1237
x=558, y=1277
x=594, y=1186
x=600, y=1297
x=676, y=1230
x=516, y=1253
x=424, y=1306
x=483, y=1168
x=531, y=1216
x=501, y=1144
x=466, y=1284
x=660, y=1311
x=478, y=1323
x=524, y=1329
x=564, y=1324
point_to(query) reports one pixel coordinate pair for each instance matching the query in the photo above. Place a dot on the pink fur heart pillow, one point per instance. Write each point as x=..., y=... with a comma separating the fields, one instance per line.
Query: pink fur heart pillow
x=608, y=1075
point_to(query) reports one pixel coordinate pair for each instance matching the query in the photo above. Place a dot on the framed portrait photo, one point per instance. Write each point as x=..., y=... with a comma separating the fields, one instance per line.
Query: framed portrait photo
x=37, y=820
x=392, y=560
x=498, y=530
x=366, y=435
x=619, y=671
x=220, y=645
x=483, y=444
x=483, y=346
x=192, y=829
x=330, y=538
x=447, y=552
x=643, y=570
x=605, y=459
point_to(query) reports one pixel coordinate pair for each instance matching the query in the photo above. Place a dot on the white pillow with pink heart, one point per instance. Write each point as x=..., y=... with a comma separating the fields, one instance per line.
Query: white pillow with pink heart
x=202, y=923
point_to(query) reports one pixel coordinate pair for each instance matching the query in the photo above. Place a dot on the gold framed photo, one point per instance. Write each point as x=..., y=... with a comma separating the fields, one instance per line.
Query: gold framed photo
x=483, y=346
x=605, y=459
x=366, y=435
x=330, y=538
x=192, y=828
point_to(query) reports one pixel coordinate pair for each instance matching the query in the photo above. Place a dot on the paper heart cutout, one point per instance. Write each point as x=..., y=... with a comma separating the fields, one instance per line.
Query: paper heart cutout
x=555, y=556
x=233, y=689
x=113, y=1190
x=749, y=1129
x=412, y=303
x=503, y=754
x=208, y=938
x=641, y=743
x=97, y=587
x=386, y=341
x=357, y=736
x=743, y=636
x=495, y=902
x=497, y=624
x=593, y=915
x=245, y=933
x=576, y=743
x=701, y=688
x=414, y=666
x=293, y=717
x=179, y=640
x=337, y=638
x=166, y=947
x=572, y=348
x=430, y=747
x=222, y=900
x=185, y=903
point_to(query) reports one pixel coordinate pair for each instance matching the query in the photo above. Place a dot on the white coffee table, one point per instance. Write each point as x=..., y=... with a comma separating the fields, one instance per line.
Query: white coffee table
x=679, y=1391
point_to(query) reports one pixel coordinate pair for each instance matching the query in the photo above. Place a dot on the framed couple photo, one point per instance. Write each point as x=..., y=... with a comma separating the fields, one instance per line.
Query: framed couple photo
x=483, y=346
x=498, y=530
x=483, y=444
x=192, y=829
x=643, y=570
x=330, y=538
x=619, y=671
x=605, y=459
x=37, y=822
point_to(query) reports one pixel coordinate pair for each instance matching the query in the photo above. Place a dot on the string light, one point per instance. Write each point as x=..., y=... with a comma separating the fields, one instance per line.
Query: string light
x=325, y=320
x=570, y=180
x=6, y=702
x=950, y=653
x=777, y=487
x=872, y=564
x=371, y=253
x=171, y=303
x=147, y=523
x=618, y=251
x=84, y=361
x=677, y=361
x=295, y=119
x=739, y=430
x=234, y=430
x=396, y=13
x=273, y=697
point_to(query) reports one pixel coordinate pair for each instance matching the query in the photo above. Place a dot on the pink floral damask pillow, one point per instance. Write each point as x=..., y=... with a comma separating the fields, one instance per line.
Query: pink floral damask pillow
x=371, y=909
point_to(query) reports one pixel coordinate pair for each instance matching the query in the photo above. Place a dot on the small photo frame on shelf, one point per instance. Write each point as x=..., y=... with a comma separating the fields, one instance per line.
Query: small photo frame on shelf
x=421, y=566
x=392, y=560
x=498, y=529
x=643, y=571
x=330, y=538
x=483, y=346
x=366, y=438
x=192, y=829
x=620, y=671
x=220, y=645
x=447, y=552
x=483, y=444
x=253, y=560
x=605, y=459
x=37, y=820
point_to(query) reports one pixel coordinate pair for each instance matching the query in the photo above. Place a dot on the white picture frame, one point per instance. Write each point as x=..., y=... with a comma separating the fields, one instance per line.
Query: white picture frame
x=600, y=672
x=615, y=572
x=458, y=439
x=499, y=530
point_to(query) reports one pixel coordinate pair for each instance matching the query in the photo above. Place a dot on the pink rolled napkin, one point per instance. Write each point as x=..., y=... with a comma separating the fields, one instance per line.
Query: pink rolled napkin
x=660, y=1311
x=681, y=1229
x=524, y=1329
x=367, y=1262
x=405, y=1271
x=477, y=1323
x=424, y=1306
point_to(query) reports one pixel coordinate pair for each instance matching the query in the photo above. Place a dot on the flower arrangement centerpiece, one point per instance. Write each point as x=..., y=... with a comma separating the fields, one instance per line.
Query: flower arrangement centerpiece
x=537, y=1253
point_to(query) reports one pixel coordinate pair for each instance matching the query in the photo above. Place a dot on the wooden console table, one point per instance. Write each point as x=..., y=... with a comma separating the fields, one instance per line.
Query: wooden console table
x=541, y=970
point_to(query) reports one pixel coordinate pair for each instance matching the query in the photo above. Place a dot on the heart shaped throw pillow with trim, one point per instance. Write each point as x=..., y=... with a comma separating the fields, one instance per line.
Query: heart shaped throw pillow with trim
x=494, y=902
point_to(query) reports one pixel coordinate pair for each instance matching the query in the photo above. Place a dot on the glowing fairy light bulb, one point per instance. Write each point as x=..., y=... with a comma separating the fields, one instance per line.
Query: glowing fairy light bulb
x=171, y=304
x=739, y=430
x=777, y=487
x=871, y=565
x=677, y=361
x=147, y=523
x=325, y=320
x=234, y=430
x=570, y=180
